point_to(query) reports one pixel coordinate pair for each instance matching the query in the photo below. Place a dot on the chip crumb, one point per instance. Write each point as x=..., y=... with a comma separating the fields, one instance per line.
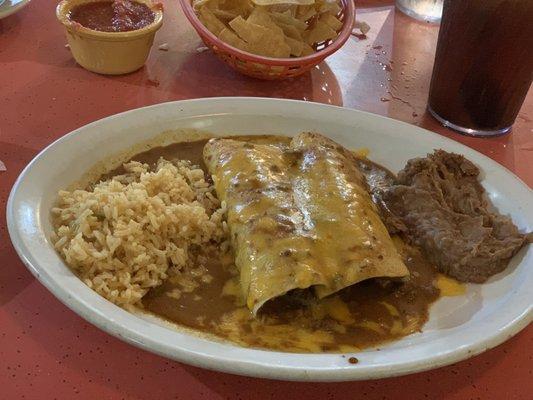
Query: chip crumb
x=353, y=360
x=67, y=46
x=363, y=27
x=163, y=47
x=2, y=166
x=201, y=49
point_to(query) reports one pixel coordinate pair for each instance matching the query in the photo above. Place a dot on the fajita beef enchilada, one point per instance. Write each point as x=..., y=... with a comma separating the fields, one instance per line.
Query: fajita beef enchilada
x=299, y=216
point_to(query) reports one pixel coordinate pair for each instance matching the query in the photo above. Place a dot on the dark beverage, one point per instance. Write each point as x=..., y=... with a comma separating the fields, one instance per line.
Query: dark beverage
x=483, y=65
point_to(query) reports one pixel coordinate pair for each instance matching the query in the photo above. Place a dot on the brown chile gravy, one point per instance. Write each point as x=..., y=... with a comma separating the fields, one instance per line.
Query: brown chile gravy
x=366, y=314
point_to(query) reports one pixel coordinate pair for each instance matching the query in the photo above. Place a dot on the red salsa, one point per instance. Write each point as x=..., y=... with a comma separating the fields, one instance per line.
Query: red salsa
x=112, y=16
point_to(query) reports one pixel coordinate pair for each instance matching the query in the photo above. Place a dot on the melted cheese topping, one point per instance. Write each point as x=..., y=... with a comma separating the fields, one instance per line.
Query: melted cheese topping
x=352, y=243
x=299, y=217
x=449, y=286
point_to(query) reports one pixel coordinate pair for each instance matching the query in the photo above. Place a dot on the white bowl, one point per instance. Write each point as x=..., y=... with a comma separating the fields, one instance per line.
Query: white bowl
x=459, y=327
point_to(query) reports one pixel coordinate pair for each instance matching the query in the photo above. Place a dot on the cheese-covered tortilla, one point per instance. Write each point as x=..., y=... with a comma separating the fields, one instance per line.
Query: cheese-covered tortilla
x=299, y=216
x=352, y=243
x=270, y=235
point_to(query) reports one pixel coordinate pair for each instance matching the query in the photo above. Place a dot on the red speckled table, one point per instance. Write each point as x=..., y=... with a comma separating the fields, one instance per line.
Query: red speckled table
x=48, y=352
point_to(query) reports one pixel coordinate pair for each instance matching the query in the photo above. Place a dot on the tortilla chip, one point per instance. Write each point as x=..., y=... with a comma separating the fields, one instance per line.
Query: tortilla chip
x=271, y=45
x=295, y=45
x=306, y=50
x=197, y=4
x=290, y=31
x=281, y=8
x=229, y=37
x=247, y=31
x=305, y=13
x=331, y=6
x=331, y=21
x=261, y=18
x=319, y=33
x=224, y=15
x=210, y=21
x=238, y=7
x=261, y=40
x=289, y=20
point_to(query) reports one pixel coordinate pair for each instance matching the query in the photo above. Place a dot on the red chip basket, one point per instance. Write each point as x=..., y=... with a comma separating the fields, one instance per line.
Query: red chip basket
x=267, y=67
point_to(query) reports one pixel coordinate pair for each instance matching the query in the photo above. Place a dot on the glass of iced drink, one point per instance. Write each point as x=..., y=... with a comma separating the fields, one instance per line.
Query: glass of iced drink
x=483, y=65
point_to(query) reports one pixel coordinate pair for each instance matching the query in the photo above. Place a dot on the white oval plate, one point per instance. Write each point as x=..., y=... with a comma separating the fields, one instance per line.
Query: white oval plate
x=459, y=327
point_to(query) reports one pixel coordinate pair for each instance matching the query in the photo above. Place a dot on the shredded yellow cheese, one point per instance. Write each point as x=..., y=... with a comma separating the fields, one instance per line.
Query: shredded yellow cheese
x=449, y=286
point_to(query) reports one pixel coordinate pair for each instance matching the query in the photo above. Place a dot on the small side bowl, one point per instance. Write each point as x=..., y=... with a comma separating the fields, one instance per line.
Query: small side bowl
x=109, y=53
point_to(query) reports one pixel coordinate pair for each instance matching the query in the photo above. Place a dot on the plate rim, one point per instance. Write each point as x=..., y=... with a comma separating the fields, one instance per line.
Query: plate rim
x=252, y=368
